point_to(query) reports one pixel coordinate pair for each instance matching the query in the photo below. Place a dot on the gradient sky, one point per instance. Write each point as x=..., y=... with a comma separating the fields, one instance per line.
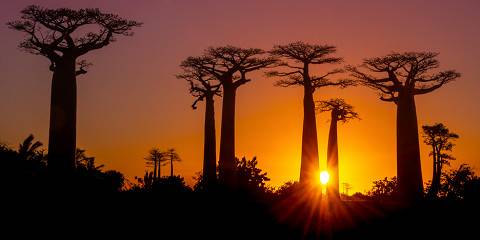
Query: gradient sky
x=131, y=101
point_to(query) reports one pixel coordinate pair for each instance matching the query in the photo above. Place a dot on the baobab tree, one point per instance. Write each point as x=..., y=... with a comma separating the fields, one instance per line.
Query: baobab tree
x=343, y=112
x=156, y=158
x=204, y=87
x=399, y=77
x=229, y=65
x=439, y=137
x=60, y=36
x=299, y=58
x=171, y=155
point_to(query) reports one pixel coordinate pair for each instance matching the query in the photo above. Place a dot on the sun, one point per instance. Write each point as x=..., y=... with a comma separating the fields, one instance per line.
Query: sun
x=324, y=177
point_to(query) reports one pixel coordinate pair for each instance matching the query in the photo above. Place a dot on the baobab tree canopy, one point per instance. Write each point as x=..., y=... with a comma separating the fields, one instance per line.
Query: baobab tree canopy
x=53, y=32
x=297, y=58
x=409, y=71
x=341, y=109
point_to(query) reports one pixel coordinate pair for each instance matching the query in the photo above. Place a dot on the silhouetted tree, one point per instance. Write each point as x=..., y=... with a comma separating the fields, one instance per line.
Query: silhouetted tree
x=454, y=182
x=340, y=111
x=59, y=35
x=29, y=150
x=299, y=59
x=204, y=86
x=250, y=177
x=156, y=158
x=171, y=155
x=439, y=137
x=383, y=188
x=405, y=76
x=85, y=162
x=229, y=65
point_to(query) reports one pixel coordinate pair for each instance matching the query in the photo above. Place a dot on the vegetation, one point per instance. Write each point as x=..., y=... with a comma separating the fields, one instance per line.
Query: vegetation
x=439, y=138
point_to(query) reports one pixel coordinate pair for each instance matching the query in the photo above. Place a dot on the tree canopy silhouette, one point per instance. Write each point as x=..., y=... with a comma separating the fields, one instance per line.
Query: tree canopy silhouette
x=172, y=156
x=439, y=137
x=59, y=35
x=156, y=158
x=298, y=58
x=203, y=86
x=340, y=111
x=229, y=65
x=399, y=77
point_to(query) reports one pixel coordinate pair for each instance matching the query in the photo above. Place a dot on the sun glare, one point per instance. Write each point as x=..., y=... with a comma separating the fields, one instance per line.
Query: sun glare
x=324, y=177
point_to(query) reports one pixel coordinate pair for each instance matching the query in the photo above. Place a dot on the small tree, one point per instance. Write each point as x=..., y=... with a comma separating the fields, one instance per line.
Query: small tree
x=298, y=60
x=29, y=150
x=405, y=75
x=171, y=155
x=60, y=36
x=340, y=111
x=439, y=137
x=454, y=182
x=383, y=188
x=156, y=158
x=249, y=176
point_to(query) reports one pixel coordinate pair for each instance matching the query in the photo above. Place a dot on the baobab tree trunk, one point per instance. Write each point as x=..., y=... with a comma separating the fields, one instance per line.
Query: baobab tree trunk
x=409, y=171
x=332, y=157
x=309, y=162
x=226, y=161
x=63, y=108
x=209, y=148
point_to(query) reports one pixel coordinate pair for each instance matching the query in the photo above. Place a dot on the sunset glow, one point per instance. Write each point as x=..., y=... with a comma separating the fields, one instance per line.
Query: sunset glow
x=324, y=177
x=131, y=101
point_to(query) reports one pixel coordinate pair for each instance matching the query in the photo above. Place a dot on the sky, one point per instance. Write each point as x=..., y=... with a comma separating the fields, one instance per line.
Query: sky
x=130, y=100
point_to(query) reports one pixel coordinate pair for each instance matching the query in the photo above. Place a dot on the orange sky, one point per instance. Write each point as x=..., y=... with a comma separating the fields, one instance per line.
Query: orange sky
x=130, y=100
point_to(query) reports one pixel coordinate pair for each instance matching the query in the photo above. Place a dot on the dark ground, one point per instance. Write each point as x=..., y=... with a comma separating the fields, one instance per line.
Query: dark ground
x=232, y=216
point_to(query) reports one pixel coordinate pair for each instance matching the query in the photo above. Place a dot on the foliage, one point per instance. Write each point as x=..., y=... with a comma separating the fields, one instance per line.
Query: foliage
x=408, y=70
x=339, y=108
x=455, y=183
x=383, y=188
x=26, y=169
x=287, y=189
x=249, y=176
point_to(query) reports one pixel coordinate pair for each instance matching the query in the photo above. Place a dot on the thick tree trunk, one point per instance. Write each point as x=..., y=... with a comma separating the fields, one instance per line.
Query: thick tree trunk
x=226, y=161
x=409, y=171
x=209, y=145
x=63, y=108
x=332, y=158
x=309, y=165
